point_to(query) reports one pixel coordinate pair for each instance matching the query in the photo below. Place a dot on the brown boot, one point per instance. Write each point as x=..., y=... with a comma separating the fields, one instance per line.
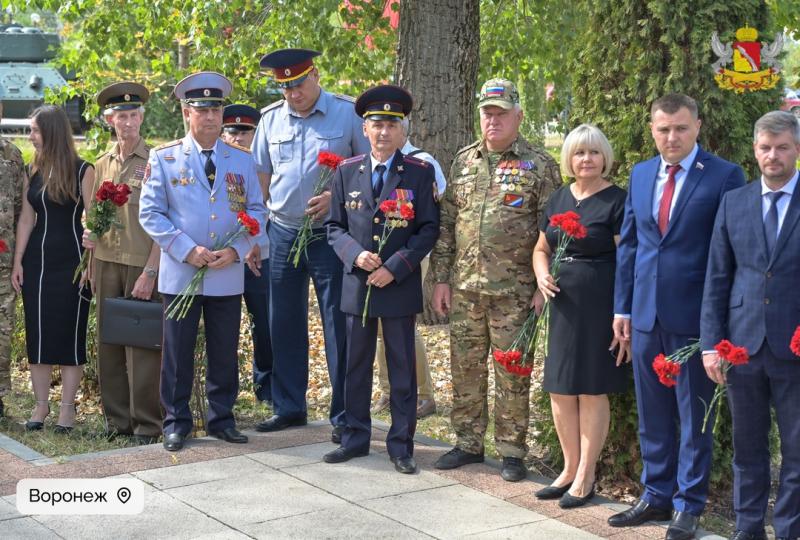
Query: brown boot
x=381, y=405
x=425, y=407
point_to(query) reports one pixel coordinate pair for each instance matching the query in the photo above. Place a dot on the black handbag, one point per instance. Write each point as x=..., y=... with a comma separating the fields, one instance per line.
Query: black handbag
x=132, y=323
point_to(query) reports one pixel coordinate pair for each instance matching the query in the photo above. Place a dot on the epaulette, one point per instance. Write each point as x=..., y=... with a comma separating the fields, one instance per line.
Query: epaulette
x=469, y=147
x=170, y=144
x=345, y=97
x=416, y=161
x=353, y=159
x=238, y=146
x=274, y=105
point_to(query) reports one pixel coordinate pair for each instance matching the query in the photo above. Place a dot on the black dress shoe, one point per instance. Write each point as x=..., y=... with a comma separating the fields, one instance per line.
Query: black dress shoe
x=342, y=454
x=638, y=514
x=682, y=526
x=571, y=501
x=744, y=535
x=277, y=423
x=174, y=442
x=62, y=430
x=513, y=469
x=552, y=492
x=336, y=434
x=230, y=435
x=405, y=465
x=30, y=425
x=456, y=458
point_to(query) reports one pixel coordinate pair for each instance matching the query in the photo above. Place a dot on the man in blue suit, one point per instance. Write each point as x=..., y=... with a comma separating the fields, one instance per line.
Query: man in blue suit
x=194, y=188
x=355, y=226
x=661, y=263
x=752, y=298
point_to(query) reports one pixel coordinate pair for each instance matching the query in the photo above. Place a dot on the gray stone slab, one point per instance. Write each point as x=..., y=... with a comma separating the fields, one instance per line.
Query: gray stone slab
x=200, y=472
x=8, y=509
x=255, y=498
x=26, y=528
x=365, y=478
x=452, y=511
x=544, y=530
x=163, y=517
x=342, y=522
x=18, y=449
x=295, y=455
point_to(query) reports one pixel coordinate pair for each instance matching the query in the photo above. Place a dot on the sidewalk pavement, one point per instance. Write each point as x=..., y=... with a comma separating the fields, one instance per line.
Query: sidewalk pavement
x=277, y=486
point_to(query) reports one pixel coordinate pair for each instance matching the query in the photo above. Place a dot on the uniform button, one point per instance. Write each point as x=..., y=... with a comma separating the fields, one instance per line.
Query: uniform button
x=213, y=235
x=213, y=216
x=377, y=220
x=376, y=238
x=769, y=274
x=766, y=300
x=213, y=199
x=376, y=200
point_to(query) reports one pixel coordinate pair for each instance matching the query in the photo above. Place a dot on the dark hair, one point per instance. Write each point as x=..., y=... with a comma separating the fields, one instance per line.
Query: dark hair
x=672, y=103
x=56, y=159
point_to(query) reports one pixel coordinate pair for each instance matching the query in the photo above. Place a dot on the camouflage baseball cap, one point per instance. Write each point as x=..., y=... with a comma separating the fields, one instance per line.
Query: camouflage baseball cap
x=499, y=92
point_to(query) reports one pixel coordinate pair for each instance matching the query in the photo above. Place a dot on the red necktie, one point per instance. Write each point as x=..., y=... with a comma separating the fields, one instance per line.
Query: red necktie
x=666, y=198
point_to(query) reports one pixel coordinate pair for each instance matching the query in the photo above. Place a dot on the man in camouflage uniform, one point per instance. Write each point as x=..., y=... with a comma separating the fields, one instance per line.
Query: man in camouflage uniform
x=497, y=189
x=12, y=175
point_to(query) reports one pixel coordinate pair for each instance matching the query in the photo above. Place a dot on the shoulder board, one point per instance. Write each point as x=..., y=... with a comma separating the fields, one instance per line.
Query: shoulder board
x=273, y=106
x=354, y=159
x=416, y=161
x=345, y=97
x=469, y=147
x=238, y=147
x=170, y=144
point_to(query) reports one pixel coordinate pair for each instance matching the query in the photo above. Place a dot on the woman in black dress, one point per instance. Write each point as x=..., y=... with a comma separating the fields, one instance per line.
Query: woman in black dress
x=49, y=248
x=579, y=369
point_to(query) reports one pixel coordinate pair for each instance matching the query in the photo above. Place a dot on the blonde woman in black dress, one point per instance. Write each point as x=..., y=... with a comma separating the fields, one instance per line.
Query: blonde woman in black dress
x=48, y=251
x=579, y=370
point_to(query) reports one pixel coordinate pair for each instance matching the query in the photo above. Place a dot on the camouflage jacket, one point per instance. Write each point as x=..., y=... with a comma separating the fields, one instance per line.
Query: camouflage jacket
x=12, y=175
x=490, y=219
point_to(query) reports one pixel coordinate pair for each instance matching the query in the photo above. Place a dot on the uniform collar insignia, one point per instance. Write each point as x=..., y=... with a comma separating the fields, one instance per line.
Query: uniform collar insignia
x=399, y=168
x=354, y=194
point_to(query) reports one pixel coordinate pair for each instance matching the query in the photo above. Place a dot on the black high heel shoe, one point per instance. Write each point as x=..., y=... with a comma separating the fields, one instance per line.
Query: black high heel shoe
x=552, y=492
x=34, y=425
x=571, y=501
x=64, y=430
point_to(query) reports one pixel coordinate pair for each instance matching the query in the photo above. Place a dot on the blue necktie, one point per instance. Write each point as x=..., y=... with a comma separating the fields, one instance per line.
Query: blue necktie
x=377, y=185
x=771, y=221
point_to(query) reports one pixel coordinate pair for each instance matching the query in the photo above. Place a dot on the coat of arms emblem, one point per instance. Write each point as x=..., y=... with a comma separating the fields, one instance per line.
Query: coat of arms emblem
x=755, y=65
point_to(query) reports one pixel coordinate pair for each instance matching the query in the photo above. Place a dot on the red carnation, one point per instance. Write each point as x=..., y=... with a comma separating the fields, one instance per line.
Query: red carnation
x=329, y=159
x=249, y=223
x=724, y=348
x=794, y=344
x=738, y=356
x=407, y=212
x=569, y=223
x=514, y=356
x=388, y=206
x=3, y=246
x=666, y=370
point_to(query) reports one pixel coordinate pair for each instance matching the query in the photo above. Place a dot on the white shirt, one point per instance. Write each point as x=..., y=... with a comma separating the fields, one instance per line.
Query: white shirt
x=441, y=181
x=680, y=177
x=783, y=202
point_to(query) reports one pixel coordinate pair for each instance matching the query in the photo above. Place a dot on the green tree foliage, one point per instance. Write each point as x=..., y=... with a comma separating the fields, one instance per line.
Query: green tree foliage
x=632, y=52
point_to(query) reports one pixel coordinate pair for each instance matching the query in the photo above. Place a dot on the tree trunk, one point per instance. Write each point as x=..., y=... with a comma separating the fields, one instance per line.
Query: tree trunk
x=437, y=61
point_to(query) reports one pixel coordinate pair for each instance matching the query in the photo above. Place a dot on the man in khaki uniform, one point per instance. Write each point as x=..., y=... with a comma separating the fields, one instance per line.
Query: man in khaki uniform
x=12, y=175
x=497, y=189
x=126, y=264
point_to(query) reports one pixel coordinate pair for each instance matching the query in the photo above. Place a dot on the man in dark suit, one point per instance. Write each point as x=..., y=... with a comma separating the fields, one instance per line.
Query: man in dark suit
x=661, y=263
x=356, y=225
x=752, y=298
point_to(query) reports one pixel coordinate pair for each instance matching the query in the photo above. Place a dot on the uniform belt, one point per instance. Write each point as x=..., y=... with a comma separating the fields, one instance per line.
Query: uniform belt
x=587, y=260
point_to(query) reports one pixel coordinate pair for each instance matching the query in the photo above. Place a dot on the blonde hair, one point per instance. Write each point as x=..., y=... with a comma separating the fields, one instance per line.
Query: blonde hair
x=590, y=137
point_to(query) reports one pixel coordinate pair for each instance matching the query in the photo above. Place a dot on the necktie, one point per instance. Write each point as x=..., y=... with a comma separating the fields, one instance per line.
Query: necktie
x=771, y=221
x=377, y=186
x=666, y=198
x=210, y=169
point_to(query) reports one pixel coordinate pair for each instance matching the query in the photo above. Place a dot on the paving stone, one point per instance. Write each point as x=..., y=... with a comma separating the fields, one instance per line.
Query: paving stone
x=295, y=455
x=8, y=509
x=332, y=524
x=255, y=498
x=365, y=478
x=25, y=528
x=163, y=517
x=545, y=530
x=452, y=511
x=201, y=472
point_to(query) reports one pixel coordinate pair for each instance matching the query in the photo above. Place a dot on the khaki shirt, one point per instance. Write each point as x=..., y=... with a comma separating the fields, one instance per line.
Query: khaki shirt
x=12, y=176
x=490, y=219
x=130, y=244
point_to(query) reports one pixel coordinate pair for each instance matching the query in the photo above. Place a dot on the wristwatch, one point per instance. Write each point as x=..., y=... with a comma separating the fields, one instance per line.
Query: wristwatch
x=150, y=272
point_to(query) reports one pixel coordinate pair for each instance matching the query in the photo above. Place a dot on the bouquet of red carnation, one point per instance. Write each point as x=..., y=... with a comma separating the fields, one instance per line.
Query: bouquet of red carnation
x=179, y=307
x=397, y=213
x=102, y=217
x=515, y=359
x=669, y=367
x=328, y=162
x=794, y=344
x=729, y=355
x=570, y=227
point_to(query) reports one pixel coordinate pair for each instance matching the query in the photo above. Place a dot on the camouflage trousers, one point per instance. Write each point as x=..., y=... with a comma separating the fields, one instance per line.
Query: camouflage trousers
x=7, y=316
x=479, y=323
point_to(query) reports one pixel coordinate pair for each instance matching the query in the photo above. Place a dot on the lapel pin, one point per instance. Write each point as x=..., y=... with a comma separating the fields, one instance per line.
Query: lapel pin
x=361, y=169
x=399, y=168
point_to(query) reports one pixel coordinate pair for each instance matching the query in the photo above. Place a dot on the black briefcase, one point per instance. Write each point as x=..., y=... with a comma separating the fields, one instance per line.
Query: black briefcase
x=132, y=323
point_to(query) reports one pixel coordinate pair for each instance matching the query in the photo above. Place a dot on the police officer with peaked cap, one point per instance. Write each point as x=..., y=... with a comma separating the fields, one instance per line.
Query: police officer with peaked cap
x=289, y=137
x=193, y=191
x=355, y=226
